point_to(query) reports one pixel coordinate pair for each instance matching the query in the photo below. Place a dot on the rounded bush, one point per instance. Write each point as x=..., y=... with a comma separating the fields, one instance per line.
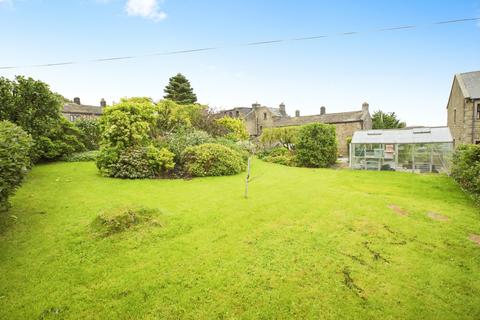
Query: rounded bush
x=316, y=146
x=211, y=159
x=15, y=147
x=135, y=162
x=178, y=141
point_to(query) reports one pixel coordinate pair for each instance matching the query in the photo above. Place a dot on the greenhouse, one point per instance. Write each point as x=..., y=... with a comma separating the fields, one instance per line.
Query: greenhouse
x=411, y=149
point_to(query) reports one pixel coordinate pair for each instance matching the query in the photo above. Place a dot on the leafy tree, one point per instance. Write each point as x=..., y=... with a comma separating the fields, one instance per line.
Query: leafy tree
x=317, y=145
x=286, y=136
x=206, y=120
x=15, y=146
x=172, y=116
x=127, y=150
x=383, y=120
x=180, y=90
x=31, y=105
x=89, y=133
x=234, y=127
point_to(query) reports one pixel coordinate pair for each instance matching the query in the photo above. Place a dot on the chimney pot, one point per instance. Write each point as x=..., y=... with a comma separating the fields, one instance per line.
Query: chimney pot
x=365, y=106
x=323, y=110
x=283, y=112
x=103, y=103
x=76, y=100
x=297, y=113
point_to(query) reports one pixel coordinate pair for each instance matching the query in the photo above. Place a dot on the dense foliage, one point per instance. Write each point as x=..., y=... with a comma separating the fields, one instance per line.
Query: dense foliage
x=178, y=141
x=279, y=155
x=84, y=156
x=466, y=168
x=316, y=145
x=135, y=162
x=127, y=149
x=212, y=159
x=180, y=90
x=31, y=105
x=286, y=136
x=15, y=146
x=234, y=128
x=90, y=133
x=384, y=120
x=206, y=120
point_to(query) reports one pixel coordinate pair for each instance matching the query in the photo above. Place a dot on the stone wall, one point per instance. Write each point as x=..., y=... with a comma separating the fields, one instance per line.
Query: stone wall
x=460, y=117
x=345, y=131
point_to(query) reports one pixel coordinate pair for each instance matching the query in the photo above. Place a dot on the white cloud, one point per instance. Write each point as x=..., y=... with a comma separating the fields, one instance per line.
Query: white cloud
x=149, y=9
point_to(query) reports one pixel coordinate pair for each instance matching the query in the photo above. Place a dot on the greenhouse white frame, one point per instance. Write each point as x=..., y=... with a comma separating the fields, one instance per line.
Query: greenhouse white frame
x=417, y=150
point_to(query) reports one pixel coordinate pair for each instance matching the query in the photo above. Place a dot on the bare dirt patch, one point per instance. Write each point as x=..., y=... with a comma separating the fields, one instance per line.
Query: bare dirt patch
x=398, y=210
x=437, y=216
x=475, y=238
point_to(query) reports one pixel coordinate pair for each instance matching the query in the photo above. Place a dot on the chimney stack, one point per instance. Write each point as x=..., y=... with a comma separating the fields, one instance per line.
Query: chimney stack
x=76, y=100
x=323, y=110
x=283, y=112
x=255, y=105
x=103, y=103
x=297, y=113
x=365, y=106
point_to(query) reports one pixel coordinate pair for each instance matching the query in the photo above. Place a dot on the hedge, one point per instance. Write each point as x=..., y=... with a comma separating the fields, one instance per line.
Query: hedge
x=466, y=168
x=15, y=145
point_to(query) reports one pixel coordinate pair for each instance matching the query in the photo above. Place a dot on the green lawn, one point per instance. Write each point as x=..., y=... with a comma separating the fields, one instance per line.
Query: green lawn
x=308, y=243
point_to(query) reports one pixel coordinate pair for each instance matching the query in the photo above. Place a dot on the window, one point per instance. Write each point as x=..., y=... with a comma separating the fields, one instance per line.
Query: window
x=230, y=113
x=477, y=142
x=478, y=111
x=261, y=128
x=237, y=113
x=454, y=115
x=264, y=116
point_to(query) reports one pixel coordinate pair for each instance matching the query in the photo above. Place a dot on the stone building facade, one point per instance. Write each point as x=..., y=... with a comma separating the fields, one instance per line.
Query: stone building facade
x=75, y=110
x=259, y=117
x=463, y=108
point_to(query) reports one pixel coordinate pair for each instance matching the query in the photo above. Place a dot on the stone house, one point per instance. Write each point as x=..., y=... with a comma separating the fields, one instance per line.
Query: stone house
x=259, y=117
x=75, y=110
x=463, y=108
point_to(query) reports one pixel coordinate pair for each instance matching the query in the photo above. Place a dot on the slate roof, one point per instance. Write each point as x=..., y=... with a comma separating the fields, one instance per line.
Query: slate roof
x=406, y=135
x=470, y=84
x=340, y=117
x=275, y=112
x=82, y=108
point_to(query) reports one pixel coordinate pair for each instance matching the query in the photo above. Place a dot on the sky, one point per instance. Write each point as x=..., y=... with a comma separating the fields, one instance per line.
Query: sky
x=407, y=71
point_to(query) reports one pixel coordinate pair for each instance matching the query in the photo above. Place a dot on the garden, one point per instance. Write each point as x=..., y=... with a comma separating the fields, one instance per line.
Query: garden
x=142, y=214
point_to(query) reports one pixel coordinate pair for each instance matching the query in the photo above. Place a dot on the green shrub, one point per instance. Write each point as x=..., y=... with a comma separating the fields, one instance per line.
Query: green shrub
x=244, y=148
x=466, y=168
x=135, y=162
x=90, y=134
x=279, y=155
x=316, y=146
x=235, y=128
x=82, y=156
x=15, y=147
x=178, y=141
x=121, y=219
x=212, y=159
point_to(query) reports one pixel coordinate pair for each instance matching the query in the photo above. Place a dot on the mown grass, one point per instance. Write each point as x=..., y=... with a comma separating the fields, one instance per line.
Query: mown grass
x=306, y=244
